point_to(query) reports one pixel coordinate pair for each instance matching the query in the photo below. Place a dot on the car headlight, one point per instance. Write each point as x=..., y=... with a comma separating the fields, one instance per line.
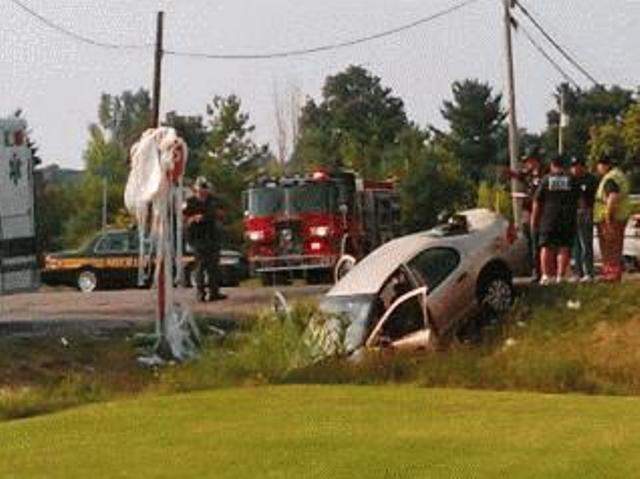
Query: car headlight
x=255, y=236
x=320, y=231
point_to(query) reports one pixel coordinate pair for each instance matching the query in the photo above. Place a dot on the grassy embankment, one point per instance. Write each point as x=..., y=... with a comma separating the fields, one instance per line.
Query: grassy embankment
x=543, y=346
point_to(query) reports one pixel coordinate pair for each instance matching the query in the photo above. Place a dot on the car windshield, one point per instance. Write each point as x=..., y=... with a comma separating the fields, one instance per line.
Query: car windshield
x=312, y=198
x=356, y=312
x=265, y=201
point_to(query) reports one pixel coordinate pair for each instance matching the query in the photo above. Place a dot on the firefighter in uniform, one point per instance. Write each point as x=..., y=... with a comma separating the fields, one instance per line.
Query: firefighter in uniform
x=611, y=213
x=202, y=216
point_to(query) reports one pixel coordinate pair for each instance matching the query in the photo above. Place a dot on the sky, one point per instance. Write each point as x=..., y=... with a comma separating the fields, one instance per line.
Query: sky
x=57, y=81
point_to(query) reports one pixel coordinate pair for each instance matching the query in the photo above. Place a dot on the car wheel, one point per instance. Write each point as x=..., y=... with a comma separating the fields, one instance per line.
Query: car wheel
x=87, y=281
x=497, y=293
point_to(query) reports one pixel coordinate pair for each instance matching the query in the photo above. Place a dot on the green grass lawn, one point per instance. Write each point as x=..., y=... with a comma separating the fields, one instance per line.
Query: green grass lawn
x=331, y=432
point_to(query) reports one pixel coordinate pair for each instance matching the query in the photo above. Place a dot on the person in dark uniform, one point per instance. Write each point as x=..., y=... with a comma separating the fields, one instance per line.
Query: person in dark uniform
x=554, y=218
x=587, y=185
x=531, y=176
x=202, y=214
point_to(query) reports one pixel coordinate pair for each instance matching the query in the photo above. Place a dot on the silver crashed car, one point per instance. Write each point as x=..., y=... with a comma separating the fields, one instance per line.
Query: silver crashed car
x=417, y=289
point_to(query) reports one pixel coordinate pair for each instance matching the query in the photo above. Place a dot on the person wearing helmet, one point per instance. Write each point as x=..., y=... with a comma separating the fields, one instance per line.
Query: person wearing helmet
x=202, y=214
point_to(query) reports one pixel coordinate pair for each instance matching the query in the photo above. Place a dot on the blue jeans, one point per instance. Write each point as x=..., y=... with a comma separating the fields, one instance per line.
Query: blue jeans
x=583, y=246
x=533, y=240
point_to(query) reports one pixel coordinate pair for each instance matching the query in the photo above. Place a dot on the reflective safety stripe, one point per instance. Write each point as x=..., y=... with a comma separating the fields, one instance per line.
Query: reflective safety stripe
x=624, y=207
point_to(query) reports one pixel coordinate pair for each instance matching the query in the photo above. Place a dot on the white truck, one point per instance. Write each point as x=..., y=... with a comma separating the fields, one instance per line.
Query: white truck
x=18, y=248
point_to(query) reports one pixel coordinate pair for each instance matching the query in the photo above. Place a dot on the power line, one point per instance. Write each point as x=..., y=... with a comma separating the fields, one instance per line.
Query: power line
x=557, y=46
x=77, y=36
x=324, y=48
x=548, y=57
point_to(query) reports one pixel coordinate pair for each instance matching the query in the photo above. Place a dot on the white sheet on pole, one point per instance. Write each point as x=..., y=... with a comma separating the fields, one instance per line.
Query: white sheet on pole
x=151, y=187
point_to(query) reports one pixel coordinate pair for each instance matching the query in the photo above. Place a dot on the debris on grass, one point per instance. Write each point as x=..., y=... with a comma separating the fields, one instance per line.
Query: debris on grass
x=574, y=304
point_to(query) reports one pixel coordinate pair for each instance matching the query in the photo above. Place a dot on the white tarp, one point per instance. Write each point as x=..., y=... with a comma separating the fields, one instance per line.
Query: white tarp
x=155, y=185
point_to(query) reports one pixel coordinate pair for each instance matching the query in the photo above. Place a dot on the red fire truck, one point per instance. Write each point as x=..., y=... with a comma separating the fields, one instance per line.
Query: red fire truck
x=299, y=227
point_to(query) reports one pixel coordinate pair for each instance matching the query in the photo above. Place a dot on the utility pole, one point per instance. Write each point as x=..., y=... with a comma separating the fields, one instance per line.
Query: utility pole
x=157, y=71
x=514, y=152
x=561, y=125
x=162, y=346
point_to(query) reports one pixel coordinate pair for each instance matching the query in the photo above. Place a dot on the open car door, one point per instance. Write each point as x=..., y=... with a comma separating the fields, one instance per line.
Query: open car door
x=405, y=324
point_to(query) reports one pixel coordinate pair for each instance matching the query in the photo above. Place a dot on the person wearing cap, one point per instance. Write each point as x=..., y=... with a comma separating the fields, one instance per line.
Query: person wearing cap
x=202, y=214
x=587, y=186
x=531, y=176
x=554, y=217
x=611, y=213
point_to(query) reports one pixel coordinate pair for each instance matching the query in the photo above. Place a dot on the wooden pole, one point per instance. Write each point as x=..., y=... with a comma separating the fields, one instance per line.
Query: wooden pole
x=514, y=152
x=561, y=125
x=157, y=71
x=162, y=348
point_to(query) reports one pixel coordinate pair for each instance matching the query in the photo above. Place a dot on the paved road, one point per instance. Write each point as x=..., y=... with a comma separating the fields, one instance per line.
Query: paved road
x=51, y=309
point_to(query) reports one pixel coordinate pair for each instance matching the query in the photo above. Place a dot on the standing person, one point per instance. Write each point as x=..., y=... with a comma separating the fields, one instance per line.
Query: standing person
x=587, y=186
x=531, y=176
x=612, y=211
x=202, y=214
x=554, y=218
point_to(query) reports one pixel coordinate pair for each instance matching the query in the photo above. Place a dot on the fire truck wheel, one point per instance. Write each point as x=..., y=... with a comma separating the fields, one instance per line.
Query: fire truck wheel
x=87, y=281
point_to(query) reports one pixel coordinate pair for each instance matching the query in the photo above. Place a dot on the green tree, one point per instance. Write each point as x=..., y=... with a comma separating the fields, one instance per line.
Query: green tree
x=586, y=109
x=194, y=132
x=126, y=116
x=122, y=119
x=434, y=185
x=475, y=119
x=55, y=205
x=232, y=158
x=356, y=121
x=620, y=139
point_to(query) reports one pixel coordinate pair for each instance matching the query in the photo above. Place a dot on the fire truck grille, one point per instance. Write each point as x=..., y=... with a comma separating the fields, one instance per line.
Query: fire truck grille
x=289, y=239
